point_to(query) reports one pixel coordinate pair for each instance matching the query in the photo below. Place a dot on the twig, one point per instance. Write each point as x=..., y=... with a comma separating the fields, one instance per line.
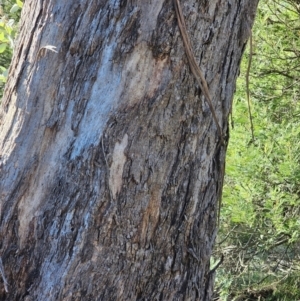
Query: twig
x=194, y=66
x=219, y=243
x=247, y=86
x=217, y=265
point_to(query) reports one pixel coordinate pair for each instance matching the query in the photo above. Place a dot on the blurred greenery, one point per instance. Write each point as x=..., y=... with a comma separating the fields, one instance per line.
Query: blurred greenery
x=9, y=17
x=259, y=232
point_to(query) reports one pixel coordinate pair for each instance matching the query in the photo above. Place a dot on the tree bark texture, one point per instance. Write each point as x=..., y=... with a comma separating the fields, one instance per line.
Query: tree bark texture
x=111, y=166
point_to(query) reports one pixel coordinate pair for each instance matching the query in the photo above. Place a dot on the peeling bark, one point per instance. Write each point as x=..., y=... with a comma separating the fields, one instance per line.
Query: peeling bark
x=111, y=170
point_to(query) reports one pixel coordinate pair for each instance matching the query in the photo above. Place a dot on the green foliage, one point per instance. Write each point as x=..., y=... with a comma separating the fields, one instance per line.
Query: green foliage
x=260, y=215
x=9, y=16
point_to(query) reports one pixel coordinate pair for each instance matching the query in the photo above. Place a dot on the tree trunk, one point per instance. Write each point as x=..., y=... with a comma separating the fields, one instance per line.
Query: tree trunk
x=111, y=161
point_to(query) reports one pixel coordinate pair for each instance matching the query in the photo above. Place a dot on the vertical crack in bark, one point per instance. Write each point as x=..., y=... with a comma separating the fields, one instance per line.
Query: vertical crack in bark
x=2, y=273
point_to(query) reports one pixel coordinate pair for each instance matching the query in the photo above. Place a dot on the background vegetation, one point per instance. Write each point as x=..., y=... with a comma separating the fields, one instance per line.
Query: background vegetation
x=259, y=228
x=9, y=17
x=259, y=233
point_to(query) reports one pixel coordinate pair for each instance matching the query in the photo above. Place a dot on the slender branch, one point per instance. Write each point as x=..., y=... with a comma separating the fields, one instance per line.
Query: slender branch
x=194, y=66
x=247, y=86
x=217, y=265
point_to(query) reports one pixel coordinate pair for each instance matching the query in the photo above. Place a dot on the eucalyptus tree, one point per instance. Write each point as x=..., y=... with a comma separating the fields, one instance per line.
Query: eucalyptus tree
x=113, y=141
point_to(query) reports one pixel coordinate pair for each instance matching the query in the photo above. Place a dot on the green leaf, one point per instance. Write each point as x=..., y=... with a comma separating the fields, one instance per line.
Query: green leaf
x=2, y=47
x=20, y=3
x=14, y=8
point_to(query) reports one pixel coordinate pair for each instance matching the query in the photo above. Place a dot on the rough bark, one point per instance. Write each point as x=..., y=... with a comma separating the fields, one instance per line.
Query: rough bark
x=111, y=166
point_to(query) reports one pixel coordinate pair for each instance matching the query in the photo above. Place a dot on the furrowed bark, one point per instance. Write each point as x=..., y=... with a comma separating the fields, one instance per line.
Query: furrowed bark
x=111, y=170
